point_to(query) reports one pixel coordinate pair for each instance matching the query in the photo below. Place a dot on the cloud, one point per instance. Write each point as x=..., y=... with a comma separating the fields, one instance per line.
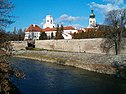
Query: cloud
x=77, y=26
x=67, y=19
x=108, y=5
x=117, y=2
x=105, y=8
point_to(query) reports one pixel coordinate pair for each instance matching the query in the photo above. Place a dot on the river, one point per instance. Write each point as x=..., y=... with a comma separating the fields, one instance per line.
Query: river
x=48, y=78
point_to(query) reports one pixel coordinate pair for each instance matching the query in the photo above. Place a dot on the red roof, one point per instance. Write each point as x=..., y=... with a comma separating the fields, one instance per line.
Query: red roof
x=54, y=29
x=33, y=28
x=69, y=28
x=38, y=29
x=49, y=29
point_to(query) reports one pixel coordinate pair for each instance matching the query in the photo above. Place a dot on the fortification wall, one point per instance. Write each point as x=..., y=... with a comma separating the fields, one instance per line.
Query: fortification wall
x=75, y=45
x=19, y=45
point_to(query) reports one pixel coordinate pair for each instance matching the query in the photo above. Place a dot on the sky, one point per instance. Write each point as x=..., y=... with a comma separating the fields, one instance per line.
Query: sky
x=67, y=12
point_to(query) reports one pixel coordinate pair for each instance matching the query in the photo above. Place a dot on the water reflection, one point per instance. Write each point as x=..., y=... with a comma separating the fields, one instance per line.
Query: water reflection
x=47, y=78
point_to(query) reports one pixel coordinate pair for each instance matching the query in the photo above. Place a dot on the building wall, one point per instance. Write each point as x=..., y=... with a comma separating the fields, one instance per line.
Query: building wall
x=70, y=31
x=48, y=33
x=92, y=23
x=66, y=36
x=29, y=35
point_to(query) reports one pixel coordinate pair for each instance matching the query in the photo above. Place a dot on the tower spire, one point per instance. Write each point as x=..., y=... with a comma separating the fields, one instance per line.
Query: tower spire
x=92, y=11
x=92, y=15
x=49, y=22
x=92, y=20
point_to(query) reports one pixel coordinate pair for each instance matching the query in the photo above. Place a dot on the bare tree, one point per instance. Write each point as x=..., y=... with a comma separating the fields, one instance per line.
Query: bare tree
x=6, y=70
x=116, y=20
x=5, y=9
x=6, y=18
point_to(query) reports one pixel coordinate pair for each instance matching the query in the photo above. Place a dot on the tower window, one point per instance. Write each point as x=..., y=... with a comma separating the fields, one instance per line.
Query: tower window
x=47, y=20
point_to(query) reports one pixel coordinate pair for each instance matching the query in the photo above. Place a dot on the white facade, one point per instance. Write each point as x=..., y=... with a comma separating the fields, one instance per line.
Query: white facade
x=49, y=33
x=33, y=32
x=32, y=35
x=66, y=36
x=70, y=31
x=92, y=20
x=92, y=23
x=49, y=22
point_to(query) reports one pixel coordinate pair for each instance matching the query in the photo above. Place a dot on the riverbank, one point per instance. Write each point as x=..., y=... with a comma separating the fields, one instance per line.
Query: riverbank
x=48, y=78
x=100, y=63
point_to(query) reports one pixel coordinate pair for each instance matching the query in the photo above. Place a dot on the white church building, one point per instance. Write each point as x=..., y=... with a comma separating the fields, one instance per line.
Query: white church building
x=49, y=28
x=33, y=31
x=49, y=22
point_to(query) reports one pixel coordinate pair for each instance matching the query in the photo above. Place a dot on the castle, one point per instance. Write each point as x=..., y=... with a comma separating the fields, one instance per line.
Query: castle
x=33, y=31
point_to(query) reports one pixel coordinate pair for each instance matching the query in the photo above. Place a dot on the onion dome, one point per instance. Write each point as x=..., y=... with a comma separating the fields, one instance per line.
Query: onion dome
x=92, y=15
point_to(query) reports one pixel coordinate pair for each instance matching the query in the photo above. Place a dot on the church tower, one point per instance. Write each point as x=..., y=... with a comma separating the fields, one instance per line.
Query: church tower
x=92, y=20
x=49, y=22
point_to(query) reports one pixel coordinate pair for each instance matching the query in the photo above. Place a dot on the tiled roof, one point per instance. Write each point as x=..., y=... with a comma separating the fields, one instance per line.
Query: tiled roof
x=69, y=28
x=38, y=29
x=54, y=29
x=33, y=28
x=49, y=29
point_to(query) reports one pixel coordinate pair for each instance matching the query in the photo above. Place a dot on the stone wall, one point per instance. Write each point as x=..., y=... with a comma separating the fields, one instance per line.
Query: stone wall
x=78, y=45
x=19, y=45
x=74, y=45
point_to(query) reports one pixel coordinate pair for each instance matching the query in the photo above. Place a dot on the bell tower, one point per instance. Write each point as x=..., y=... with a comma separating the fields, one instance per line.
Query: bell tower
x=49, y=22
x=92, y=20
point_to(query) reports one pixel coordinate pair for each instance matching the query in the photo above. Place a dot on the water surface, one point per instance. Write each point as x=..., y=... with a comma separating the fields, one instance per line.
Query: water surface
x=48, y=78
